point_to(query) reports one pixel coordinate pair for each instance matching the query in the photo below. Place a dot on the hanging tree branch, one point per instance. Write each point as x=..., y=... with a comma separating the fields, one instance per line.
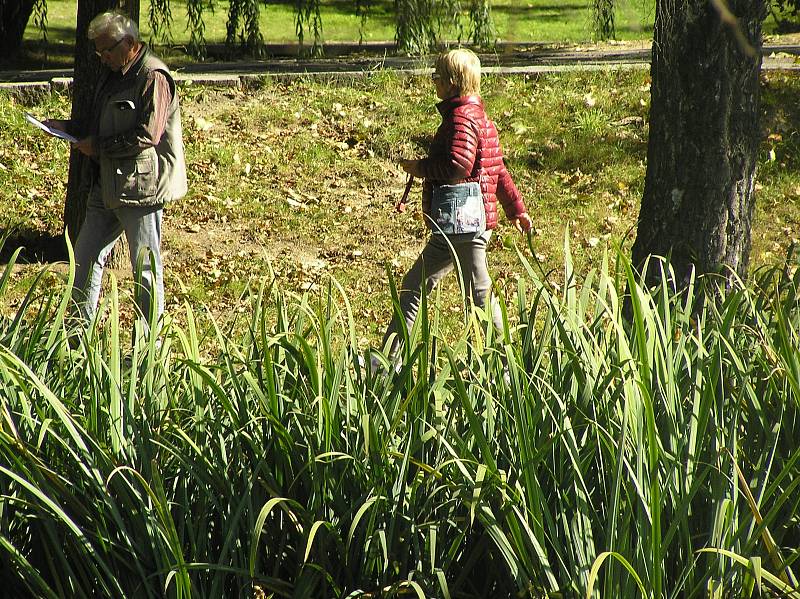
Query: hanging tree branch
x=483, y=32
x=196, y=26
x=418, y=23
x=603, y=19
x=414, y=31
x=39, y=17
x=362, y=11
x=160, y=19
x=243, y=24
x=307, y=18
x=732, y=22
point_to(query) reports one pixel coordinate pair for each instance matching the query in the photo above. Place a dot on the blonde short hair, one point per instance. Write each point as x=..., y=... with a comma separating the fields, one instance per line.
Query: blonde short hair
x=462, y=69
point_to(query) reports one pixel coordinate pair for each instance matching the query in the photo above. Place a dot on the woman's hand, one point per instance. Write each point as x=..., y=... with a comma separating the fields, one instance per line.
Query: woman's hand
x=410, y=166
x=522, y=223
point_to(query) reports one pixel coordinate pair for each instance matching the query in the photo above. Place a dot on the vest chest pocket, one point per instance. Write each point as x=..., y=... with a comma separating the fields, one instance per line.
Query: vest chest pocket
x=136, y=178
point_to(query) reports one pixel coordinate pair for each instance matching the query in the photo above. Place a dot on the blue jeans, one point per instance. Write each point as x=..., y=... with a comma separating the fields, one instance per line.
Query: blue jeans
x=100, y=231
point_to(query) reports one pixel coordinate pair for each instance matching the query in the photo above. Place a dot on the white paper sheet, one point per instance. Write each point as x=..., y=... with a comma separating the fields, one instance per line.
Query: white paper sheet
x=54, y=132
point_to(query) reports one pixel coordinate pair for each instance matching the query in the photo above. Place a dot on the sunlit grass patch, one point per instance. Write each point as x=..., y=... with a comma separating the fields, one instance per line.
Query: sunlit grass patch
x=514, y=20
x=312, y=166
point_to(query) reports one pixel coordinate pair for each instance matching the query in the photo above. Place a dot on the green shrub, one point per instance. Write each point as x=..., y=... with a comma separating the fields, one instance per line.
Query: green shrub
x=229, y=463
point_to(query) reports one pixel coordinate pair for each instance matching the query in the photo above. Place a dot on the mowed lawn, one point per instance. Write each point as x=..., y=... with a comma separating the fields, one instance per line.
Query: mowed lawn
x=514, y=20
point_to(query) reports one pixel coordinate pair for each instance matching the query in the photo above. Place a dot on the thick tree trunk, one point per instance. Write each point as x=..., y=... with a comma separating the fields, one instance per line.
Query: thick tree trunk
x=85, y=74
x=14, y=16
x=86, y=71
x=698, y=200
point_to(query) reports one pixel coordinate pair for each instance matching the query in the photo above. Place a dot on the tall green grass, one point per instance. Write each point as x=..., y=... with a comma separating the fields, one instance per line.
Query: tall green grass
x=576, y=453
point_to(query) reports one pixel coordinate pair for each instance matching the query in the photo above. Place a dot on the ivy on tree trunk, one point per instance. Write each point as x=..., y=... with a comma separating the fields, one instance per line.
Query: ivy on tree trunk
x=697, y=206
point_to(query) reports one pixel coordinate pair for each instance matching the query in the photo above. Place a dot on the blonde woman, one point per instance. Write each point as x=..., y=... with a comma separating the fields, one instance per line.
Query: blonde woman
x=464, y=178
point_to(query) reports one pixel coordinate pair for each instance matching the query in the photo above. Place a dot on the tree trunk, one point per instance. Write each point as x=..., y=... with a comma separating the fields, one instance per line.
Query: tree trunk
x=698, y=200
x=14, y=16
x=85, y=75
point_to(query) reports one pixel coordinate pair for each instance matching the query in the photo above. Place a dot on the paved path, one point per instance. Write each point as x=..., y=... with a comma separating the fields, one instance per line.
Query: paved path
x=509, y=59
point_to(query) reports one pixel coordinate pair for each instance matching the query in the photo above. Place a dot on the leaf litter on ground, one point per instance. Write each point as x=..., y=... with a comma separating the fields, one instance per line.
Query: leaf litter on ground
x=299, y=174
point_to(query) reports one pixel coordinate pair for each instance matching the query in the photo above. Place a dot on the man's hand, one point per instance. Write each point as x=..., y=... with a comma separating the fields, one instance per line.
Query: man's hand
x=522, y=223
x=410, y=166
x=58, y=124
x=85, y=146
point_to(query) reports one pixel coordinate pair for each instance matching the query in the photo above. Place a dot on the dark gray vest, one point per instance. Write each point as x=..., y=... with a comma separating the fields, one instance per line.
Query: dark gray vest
x=158, y=174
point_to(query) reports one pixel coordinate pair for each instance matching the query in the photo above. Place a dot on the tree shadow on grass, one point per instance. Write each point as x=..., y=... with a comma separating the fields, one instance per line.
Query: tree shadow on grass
x=35, y=54
x=34, y=246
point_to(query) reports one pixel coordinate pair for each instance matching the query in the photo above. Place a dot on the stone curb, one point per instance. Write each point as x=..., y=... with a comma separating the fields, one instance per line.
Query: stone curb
x=248, y=80
x=31, y=90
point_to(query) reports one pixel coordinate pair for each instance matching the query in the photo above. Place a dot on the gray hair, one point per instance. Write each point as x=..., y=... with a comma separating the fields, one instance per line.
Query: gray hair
x=115, y=24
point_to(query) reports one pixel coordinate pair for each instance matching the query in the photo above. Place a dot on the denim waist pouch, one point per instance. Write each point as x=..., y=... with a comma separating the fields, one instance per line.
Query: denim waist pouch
x=457, y=209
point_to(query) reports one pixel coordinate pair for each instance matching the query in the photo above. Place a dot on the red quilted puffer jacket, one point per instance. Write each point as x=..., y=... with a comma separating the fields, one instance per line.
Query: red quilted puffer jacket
x=465, y=147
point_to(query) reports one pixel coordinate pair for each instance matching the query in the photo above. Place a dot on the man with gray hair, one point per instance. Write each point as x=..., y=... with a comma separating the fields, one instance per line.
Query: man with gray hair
x=135, y=141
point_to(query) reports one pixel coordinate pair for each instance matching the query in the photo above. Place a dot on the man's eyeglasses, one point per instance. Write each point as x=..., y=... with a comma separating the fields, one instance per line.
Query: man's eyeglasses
x=435, y=76
x=109, y=49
